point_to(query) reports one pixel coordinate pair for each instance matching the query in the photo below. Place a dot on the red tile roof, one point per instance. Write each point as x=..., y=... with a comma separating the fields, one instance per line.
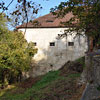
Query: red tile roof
x=47, y=21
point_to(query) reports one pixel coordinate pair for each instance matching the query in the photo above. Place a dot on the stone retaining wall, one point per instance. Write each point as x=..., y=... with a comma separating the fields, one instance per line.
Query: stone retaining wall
x=91, y=76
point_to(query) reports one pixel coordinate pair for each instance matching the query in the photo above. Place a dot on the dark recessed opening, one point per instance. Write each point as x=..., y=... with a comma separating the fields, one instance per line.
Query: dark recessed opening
x=70, y=43
x=49, y=21
x=52, y=43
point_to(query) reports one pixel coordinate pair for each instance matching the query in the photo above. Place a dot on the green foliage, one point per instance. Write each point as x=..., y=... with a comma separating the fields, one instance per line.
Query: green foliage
x=48, y=78
x=74, y=75
x=37, y=88
x=3, y=26
x=86, y=16
x=15, y=53
x=3, y=21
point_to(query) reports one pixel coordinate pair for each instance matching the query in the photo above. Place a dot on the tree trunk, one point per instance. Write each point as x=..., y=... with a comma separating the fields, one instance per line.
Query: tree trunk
x=90, y=43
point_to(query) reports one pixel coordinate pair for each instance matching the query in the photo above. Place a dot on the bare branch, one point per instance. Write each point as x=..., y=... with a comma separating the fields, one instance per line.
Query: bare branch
x=7, y=6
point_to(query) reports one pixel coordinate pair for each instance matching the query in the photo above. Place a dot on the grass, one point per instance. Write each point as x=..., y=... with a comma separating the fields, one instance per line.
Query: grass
x=74, y=75
x=11, y=94
x=15, y=93
x=37, y=91
x=48, y=78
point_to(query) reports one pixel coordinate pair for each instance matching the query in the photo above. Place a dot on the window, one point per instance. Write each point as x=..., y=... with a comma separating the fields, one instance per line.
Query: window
x=70, y=43
x=49, y=21
x=52, y=43
x=35, y=44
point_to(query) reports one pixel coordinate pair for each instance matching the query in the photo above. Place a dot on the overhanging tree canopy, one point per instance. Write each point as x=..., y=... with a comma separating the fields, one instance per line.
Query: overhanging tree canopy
x=86, y=15
x=23, y=12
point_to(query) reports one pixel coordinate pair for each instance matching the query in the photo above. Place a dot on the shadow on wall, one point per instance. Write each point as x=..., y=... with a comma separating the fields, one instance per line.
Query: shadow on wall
x=56, y=55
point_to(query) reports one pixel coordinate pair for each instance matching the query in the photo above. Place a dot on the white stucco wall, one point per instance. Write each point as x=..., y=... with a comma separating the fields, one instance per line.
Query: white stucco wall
x=53, y=57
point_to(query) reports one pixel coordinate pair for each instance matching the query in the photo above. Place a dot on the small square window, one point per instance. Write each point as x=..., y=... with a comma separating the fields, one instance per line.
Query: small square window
x=70, y=43
x=35, y=44
x=52, y=43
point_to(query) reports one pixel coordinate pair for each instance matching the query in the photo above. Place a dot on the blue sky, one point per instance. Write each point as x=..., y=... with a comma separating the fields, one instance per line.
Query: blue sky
x=46, y=4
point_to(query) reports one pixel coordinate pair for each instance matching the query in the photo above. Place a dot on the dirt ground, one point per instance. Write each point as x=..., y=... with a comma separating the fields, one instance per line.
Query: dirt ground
x=66, y=88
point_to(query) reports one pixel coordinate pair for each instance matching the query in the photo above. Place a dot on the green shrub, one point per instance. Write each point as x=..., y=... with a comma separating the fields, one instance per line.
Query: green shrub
x=15, y=55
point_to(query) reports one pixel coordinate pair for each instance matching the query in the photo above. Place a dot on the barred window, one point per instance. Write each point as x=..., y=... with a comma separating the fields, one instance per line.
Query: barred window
x=52, y=43
x=70, y=43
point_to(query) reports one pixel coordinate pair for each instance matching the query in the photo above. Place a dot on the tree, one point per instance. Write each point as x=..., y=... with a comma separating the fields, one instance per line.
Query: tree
x=15, y=52
x=3, y=22
x=15, y=55
x=86, y=17
x=22, y=12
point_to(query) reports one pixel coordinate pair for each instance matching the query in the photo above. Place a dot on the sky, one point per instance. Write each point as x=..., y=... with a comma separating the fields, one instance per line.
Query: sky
x=46, y=4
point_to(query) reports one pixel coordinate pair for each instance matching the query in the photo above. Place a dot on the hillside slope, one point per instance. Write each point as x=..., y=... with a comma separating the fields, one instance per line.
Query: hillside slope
x=55, y=85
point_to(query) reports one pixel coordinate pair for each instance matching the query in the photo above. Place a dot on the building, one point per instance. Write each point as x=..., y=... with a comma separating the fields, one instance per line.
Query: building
x=53, y=52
